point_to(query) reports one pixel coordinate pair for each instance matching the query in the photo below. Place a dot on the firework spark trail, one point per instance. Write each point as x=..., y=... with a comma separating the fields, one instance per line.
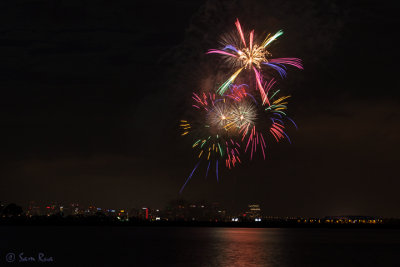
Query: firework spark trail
x=269, y=85
x=287, y=137
x=230, y=47
x=281, y=69
x=217, y=171
x=185, y=126
x=262, y=145
x=269, y=40
x=239, y=28
x=250, y=138
x=208, y=167
x=295, y=62
x=295, y=125
x=277, y=134
x=221, y=90
x=251, y=39
x=277, y=64
x=233, y=156
x=260, y=87
x=217, y=51
x=190, y=176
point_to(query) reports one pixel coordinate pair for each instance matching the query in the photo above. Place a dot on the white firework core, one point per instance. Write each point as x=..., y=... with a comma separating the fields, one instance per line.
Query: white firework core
x=255, y=56
x=245, y=57
x=232, y=115
x=243, y=114
x=218, y=117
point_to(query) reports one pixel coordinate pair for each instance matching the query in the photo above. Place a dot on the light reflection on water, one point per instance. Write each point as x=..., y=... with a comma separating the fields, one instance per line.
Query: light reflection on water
x=247, y=247
x=291, y=247
x=204, y=246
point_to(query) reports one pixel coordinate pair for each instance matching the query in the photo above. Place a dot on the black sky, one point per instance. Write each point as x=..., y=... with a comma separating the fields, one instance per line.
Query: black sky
x=92, y=92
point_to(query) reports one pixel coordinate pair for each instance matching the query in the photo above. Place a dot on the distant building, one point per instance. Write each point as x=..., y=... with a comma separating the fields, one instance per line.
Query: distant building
x=92, y=210
x=122, y=215
x=33, y=209
x=352, y=219
x=143, y=214
x=253, y=212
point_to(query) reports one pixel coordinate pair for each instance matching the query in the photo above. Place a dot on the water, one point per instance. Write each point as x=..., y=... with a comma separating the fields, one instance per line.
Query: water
x=189, y=246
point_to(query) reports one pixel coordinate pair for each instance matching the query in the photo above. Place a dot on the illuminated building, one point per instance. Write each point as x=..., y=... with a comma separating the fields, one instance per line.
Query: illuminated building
x=352, y=220
x=253, y=212
x=91, y=210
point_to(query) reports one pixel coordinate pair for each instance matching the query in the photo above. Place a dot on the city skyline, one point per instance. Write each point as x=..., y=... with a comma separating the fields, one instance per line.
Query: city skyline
x=177, y=211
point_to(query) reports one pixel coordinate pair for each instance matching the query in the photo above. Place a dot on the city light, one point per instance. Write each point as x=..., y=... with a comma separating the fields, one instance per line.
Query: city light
x=197, y=212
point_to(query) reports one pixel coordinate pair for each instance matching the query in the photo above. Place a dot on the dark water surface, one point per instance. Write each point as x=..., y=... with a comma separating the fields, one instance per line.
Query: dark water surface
x=190, y=246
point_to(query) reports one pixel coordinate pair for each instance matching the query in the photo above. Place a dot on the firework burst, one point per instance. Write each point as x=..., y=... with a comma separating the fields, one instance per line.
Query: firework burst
x=212, y=132
x=226, y=127
x=252, y=56
x=275, y=113
x=231, y=122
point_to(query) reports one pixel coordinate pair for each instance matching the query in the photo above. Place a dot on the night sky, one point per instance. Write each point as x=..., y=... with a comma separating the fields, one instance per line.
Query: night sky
x=92, y=93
